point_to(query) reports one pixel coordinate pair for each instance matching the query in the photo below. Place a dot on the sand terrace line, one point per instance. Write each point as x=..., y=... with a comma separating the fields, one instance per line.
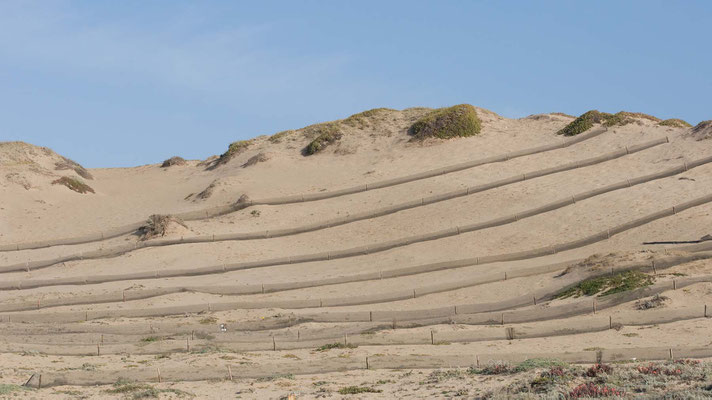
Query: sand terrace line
x=363, y=250
x=119, y=250
x=222, y=210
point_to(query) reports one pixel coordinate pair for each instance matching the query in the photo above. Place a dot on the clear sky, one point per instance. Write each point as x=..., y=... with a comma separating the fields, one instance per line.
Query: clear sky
x=123, y=83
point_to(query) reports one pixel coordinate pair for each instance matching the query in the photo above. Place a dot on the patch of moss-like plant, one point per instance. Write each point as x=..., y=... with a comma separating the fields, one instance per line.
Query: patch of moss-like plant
x=607, y=285
x=74, y=184
x=445, y=123
x=326, y=134
x=675, y=123
x=279, y=136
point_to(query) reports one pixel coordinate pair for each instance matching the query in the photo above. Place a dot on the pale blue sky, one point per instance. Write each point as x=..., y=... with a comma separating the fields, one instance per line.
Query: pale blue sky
x=122, y=83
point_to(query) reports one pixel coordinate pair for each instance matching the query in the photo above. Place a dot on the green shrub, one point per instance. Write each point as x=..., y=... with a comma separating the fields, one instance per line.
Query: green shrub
x=445, y=123
x=675, y=123
x=587, y=119
x=584, y=123
x=326, y=134
x=233, y=150
x=277, y=137
x=74, y=184
x=611, y=284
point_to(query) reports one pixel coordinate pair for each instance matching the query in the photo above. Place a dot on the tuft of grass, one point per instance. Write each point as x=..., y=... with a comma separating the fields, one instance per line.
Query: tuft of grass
x=331, y=346
x=157, y=225
x=143, y=391
x=563, y=114
x=279, y=136
x=607, y=285
x=445, y=123
x=326, y=134
x=173, y=161
x=233, y=150
x=257, y=158
x=66, y=164
x=364, y=119
x=675, y=123
x=74, y=184
x=534, y=363
x=6, y=388
x=358, y=389
x=208, y=320
x=150, y=339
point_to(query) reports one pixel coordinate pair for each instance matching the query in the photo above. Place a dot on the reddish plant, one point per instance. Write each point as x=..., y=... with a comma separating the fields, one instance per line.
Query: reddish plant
x=598, y=369
x=653, y=369
x=591, y=390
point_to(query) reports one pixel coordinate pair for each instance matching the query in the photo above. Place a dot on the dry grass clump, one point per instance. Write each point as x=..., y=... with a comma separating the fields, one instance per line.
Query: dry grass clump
x=653, y=302
x=257, y=158
x=326, y=134
x=563, y=114
x=445, y=123
x=675, y=123
x=74, y=184
x=279, y=136
x=157, y=225
x=67, y=164
x=173, y=161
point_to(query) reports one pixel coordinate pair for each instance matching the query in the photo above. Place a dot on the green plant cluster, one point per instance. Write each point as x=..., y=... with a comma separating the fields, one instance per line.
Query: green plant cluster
x=445, y=123
x=610, y=284
x=336, y=346
x=73, y=184
x=358, y=389
x=364, y=119
x=675, y=123
x=587, y=119
x=326, y=134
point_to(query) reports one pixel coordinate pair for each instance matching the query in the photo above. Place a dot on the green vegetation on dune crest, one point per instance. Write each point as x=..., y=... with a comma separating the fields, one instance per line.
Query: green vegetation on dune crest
x=589, y=118
x=607, y=285
x=445, y=123
x=675, y=123
x=234, y=149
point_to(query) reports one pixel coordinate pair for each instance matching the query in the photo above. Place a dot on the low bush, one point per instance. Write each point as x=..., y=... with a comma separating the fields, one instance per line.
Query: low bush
x=234, y=149
x=331, y=346
x=598, y=369
x=589, y=118
x=326, y=134
x=365, y=119
x=587, y=390
x=173, y=161
x=675, y=123
x=445, y=123
x=358, y=389
x=74, y=184
x=610, y=284
x=157, y=225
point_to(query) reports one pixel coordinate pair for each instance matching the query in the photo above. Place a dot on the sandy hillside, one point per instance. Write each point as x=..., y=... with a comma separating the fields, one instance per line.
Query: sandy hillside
x=392, y=254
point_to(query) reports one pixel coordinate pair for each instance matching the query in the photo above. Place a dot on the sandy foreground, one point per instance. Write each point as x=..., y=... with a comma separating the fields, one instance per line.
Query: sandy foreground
x=54, y=339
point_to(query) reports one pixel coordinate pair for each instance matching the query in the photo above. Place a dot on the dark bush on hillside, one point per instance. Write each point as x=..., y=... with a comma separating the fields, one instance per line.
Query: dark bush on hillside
x=157, y=225
x=445, y=123
x=173, y=161
x=73, y=184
